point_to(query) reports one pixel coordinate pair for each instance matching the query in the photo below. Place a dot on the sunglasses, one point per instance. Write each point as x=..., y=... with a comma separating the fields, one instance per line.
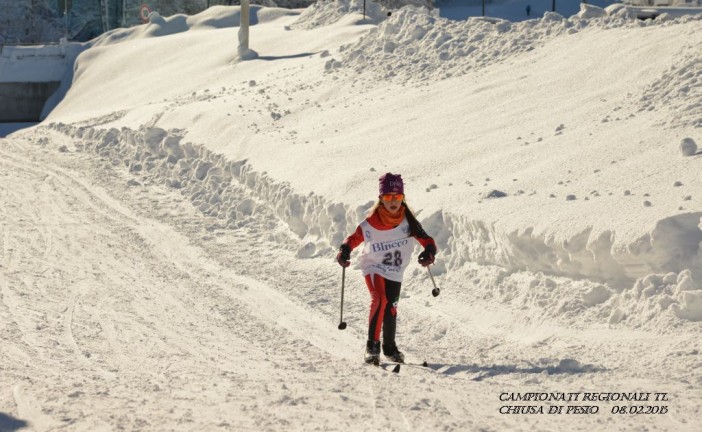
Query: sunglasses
x=392, y=197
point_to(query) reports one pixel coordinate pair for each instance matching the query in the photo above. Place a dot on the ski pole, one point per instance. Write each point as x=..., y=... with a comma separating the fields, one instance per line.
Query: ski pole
x=435, y=292
x=342, y=324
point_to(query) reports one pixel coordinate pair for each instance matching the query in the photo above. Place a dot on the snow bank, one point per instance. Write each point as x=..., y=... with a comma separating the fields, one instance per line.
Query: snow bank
x=675, y=244
x=415, y=45
x=589, y=12
x=233, y=193
x=679, y=89
x=226, y=170
x=656, y=302
x=216, y=17
x=328, y=12
x=230, y=191
x=655, y=293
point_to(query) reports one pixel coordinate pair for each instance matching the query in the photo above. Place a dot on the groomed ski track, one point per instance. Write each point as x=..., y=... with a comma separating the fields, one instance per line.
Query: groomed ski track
x=123, y=307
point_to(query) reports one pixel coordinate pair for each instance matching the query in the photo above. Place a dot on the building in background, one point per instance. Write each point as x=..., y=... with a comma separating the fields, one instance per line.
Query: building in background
x=674, y=3
x=46, y=21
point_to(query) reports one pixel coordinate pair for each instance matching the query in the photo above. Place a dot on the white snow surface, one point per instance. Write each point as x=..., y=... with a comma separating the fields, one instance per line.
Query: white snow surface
x=168, y=232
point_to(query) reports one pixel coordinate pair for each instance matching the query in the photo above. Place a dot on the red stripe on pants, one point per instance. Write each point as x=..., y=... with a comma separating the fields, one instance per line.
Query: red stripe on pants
x=376, y=288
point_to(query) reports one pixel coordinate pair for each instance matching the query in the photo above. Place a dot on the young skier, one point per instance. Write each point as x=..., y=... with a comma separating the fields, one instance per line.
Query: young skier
x=386, y=253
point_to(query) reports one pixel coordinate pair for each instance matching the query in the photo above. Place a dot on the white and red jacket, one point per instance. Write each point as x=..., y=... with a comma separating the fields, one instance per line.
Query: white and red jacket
x=387, y=249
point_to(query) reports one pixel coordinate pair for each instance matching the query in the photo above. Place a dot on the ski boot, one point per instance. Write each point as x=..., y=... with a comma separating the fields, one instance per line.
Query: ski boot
x=392, y=353
x=372, y=352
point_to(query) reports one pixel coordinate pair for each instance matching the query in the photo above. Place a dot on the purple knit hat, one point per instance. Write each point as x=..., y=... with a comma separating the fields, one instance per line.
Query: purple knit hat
x=391, y=183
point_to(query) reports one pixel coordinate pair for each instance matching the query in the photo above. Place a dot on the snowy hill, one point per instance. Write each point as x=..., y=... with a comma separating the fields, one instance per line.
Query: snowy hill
x=170, y=227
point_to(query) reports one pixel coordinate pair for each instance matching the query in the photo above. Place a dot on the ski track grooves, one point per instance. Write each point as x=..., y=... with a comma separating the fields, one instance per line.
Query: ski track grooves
x=264, y=296
x=95, y=324
x=237, y=196
x=28, y=408
x=160, y=303
x=76, y=293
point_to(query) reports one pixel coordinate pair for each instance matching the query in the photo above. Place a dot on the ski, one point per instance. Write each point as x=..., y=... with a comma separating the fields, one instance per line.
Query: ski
x=395, y=366
x=423, y=364
x=390, y=363
x=385, y=365
x=391, y=366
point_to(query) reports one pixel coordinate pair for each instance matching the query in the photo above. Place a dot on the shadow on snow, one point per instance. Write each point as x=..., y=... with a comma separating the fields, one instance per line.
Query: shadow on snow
x=11, y=424
x=269, y=58
x=566, y=366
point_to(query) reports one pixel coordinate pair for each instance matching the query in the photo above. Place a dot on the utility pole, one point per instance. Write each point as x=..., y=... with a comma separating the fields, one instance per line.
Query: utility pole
x=107, y=14
x=483, y=7
x=244, y=28
x=244, y=52
x=33, y=34
x=553, y=6
x=65, y=19
x=101, y=5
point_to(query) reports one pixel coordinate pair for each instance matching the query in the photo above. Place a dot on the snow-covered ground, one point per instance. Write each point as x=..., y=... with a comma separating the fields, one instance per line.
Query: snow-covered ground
x=168, y=232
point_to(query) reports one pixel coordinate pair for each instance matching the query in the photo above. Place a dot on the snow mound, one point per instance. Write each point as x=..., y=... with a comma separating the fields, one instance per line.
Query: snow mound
x=620, y=10
x=216, y=17
x=328, y=12
x=679, y=89
x=556, y=298
x=415, y=45
x=399, y=4
x=236, y=195
x=658, y=296
x=602, y=262
x=674, y=244
x=230, y=191
x=658, y=301
x=588, y=12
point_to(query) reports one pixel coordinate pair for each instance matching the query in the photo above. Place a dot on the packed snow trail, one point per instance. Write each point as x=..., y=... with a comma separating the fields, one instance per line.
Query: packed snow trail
x=122, y=306
x=160, y=270
x=117, y=320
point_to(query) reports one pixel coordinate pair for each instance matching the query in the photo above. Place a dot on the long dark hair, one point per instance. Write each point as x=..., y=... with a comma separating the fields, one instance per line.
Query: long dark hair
x=416, y=229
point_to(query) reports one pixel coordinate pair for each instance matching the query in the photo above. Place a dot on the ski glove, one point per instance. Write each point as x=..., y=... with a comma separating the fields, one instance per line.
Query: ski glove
x=344, y=255
x=427, y=257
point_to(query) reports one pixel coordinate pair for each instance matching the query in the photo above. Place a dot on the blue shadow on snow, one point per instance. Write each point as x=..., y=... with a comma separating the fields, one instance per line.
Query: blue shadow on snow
x=269, y=58
x=11, y=424
x=566, y=366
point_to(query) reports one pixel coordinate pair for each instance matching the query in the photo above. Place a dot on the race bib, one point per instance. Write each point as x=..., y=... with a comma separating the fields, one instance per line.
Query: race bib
x=386, y=252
